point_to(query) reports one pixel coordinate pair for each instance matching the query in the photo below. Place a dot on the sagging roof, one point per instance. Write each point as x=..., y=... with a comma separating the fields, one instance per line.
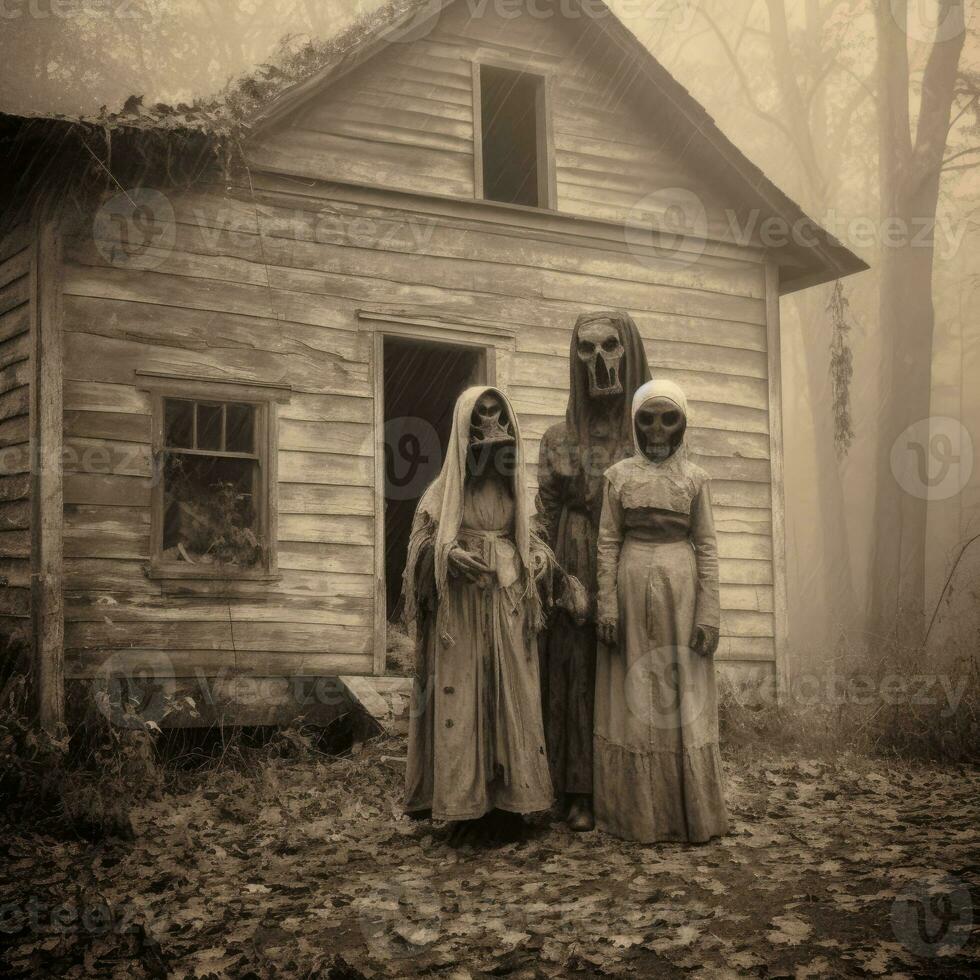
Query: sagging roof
x=823, y=260
x=273, y=92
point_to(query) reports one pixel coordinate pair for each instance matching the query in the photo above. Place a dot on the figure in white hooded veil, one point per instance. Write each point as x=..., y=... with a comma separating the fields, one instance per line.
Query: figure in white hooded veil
x=476, y=737
x=658, y=773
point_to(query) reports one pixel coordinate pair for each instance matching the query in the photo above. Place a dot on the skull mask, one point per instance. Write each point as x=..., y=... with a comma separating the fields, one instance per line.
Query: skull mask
x=491, y=435
x=660, y=426
x=601, y=351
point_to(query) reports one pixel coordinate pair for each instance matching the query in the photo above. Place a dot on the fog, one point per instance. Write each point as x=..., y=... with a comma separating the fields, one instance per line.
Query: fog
x=802, y=87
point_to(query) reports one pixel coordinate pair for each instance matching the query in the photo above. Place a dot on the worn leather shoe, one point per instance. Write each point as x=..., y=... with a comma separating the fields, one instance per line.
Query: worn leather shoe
x=580, y=816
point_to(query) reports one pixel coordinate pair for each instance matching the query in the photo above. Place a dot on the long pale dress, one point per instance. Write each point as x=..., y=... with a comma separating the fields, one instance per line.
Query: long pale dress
x=658, y=773
x=476, y=737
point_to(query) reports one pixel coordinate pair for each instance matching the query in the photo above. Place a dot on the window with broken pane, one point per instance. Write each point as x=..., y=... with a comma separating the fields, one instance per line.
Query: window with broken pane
x=211, y=484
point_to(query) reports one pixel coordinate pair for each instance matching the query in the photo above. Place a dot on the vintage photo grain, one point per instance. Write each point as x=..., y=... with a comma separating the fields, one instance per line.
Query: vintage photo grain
x=489, y=489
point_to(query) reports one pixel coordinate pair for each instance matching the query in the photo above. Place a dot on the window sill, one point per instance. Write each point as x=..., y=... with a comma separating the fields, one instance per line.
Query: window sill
x=223, y=574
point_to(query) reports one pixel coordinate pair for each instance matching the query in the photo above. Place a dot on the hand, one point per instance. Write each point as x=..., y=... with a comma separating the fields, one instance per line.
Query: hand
x=705, y=640
x=461, y=562
x=574, y=600
x=608, y=632
x=539, y=564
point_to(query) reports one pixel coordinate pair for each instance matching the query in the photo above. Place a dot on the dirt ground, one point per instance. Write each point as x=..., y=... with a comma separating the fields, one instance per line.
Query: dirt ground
x=308, y=868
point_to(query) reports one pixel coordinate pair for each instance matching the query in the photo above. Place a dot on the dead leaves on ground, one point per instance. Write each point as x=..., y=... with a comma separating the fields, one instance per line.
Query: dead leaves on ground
x=853, y=868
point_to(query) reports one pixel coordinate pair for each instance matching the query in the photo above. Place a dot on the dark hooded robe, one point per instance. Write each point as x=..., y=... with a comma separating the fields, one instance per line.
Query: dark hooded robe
x=574, y=454
x=476, y=737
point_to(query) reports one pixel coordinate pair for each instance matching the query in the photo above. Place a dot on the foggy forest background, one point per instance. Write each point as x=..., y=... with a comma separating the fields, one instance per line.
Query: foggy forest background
x=851, y=106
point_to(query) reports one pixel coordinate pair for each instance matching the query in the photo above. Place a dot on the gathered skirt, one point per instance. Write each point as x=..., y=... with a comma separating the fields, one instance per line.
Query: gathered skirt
x=658, y=773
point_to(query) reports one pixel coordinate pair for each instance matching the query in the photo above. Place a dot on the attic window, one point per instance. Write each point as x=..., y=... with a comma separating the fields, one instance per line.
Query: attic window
x=514, y=142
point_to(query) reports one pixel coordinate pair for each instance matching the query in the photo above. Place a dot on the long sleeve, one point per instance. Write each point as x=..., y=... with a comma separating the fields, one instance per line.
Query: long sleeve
x=609, y=543
x=707, y=610
x=548, y=502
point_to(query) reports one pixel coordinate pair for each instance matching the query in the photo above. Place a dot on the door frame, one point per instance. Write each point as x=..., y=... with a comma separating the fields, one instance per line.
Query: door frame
x=494, y=342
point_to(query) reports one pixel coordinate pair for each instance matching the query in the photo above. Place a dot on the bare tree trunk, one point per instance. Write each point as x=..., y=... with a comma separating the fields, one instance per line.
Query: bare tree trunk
x=909, y=175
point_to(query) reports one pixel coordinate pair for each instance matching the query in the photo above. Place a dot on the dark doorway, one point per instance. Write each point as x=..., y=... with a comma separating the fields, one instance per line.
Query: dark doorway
x=422, y=381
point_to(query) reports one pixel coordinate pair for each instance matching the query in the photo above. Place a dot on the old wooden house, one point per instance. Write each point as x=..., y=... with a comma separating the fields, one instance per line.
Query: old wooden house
x=201, y=383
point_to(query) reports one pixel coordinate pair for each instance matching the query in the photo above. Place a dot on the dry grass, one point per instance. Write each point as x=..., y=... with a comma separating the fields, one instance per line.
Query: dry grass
x=888, y=702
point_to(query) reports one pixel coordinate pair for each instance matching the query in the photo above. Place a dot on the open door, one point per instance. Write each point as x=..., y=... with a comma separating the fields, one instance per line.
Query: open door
x=422, y=380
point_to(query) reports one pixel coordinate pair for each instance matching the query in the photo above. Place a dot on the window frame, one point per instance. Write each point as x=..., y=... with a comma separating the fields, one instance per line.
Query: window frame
x=547, y=181
x=265, y=399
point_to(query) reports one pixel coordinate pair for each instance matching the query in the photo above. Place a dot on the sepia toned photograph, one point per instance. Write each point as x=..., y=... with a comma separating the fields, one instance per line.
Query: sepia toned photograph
x=489, y=489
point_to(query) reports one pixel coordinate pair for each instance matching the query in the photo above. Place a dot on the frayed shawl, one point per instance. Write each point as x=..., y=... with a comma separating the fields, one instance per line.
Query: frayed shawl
x=439, y=514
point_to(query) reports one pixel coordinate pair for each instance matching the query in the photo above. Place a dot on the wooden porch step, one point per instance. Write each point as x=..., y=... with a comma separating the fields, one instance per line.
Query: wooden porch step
x=383, y=699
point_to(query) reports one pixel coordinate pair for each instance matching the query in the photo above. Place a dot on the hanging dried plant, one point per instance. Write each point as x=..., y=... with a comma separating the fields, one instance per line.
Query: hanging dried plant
x=841, y=369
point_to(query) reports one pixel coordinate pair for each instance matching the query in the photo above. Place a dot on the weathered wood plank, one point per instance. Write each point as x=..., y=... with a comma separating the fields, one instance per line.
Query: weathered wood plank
x=14, y=322
x=107, y=488
x=744, y=571
x=317, y=557
x=345, y=529
x=14, y=431
x=15, y=401
x=347, y=438
x=122, y=607
x=178, y=663
x=757, y=598
x=325, y=468
x=311, y=498
x=118, y=426
x=15, y=515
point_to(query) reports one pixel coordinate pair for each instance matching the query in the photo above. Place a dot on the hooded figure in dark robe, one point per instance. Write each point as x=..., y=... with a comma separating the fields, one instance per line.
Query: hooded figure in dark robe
x=607, y=365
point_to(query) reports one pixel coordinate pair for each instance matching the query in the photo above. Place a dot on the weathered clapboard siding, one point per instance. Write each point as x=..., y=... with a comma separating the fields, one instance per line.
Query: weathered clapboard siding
x=405, y=120
x=254, y=290
x=18, y=282
x=266, y=283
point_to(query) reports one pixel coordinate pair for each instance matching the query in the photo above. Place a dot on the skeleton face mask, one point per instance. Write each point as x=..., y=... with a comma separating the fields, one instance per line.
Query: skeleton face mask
x=660, y=427
x=601, y=351
x=491, y=436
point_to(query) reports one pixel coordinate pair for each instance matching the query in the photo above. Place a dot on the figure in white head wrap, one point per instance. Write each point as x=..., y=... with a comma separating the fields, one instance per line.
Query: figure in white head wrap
x=658, y=772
